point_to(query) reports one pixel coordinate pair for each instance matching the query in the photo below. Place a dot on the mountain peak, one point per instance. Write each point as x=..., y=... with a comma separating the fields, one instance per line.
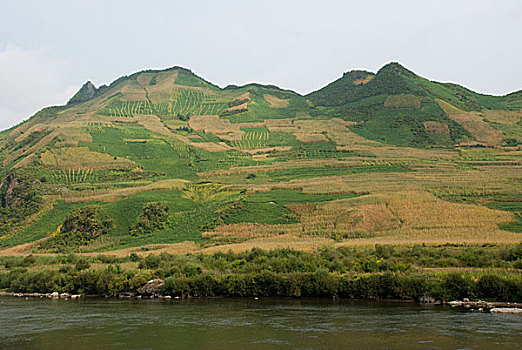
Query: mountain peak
x=86, y=92
x=396, y=68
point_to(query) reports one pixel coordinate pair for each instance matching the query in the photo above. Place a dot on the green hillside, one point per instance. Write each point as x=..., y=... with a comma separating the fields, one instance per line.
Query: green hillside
x=399, y=107
x=165, y=160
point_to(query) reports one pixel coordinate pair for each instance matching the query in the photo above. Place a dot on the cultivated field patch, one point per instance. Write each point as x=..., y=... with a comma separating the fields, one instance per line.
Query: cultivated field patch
x=474, y=123
x=276, y=102
x=402, y=101
x=434, y=127
x=364, y=81
x=82, y=158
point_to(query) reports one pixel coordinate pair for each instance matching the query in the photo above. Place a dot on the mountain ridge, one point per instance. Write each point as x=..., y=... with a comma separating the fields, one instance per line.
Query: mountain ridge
x=376, y=102
x=393, y=65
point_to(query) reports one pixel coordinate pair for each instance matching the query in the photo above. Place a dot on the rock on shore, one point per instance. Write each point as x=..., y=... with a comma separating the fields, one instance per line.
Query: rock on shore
x=506, y=310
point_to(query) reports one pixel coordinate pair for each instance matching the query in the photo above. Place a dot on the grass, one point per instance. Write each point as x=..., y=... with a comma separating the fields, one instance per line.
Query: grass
x=206, y=137
x=190, y=215
x=188, y=218
x=45, y=226
x=295, y=196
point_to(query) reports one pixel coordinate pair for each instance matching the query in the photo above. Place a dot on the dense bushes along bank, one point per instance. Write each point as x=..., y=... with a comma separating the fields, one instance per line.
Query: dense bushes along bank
x=387, y=285
x=380, y=273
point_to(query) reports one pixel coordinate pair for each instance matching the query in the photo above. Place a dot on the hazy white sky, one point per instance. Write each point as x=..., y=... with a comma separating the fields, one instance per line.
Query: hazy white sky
x=48, y=49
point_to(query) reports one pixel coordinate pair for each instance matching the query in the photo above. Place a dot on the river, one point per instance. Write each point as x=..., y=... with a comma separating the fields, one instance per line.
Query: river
x=248, y=324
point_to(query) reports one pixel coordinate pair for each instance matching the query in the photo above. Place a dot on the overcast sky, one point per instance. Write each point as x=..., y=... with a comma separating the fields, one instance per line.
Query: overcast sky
x=48, y=49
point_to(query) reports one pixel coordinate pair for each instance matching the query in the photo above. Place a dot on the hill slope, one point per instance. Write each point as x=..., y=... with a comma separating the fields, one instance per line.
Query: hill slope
x=173, y=158
x=397, y=106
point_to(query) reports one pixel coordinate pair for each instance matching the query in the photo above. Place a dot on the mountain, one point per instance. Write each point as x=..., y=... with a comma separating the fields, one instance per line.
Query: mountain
x=87, y=92
x=394, y=79
x=399, y=107
x=171, y=157
x=169, y=96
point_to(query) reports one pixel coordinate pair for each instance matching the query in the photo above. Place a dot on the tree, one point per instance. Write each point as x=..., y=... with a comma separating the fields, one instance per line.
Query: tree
x=153, y=217
x=80, y=227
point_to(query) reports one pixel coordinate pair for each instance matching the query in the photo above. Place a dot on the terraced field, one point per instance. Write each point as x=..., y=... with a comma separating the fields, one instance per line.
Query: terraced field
x=184, y=102
x=128, y=109
x=253, y=138
x=188, y=102
x=389, y=158
x=73, y=175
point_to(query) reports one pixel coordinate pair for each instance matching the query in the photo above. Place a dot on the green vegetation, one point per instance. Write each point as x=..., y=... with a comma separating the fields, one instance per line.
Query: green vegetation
x=193, y=103
x=73, y=175
x=153, y=217
x=315, y=150
x=271, y=207
x=383, y=272
x=406, y=126
x=161, y=155
x=259, y=108
x=20, y=197
x=179, y=163
x=253, y=138
x=311, y=172
x=395, y=104
x=516, y=208
x=81, y=227
x=128, y=109
x=48, y=223
x=187, y=78
x=293, y=196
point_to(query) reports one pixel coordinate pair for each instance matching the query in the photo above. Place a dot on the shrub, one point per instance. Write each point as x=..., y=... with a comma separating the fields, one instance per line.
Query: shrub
x=87, y=223
x=138, y=278
x=82, y=264
x=455, y=286
x=150, y=262
x=278, y=273
x=177, y=286
x=81, y=227
x=494, y=287
x=153, y=217
x=20, y=197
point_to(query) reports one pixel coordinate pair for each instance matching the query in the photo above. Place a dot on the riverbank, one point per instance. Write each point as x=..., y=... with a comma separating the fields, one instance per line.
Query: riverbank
x=419, y=273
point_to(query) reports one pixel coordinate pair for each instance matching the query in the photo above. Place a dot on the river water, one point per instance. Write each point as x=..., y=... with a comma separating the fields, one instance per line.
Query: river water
x=248, y=324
